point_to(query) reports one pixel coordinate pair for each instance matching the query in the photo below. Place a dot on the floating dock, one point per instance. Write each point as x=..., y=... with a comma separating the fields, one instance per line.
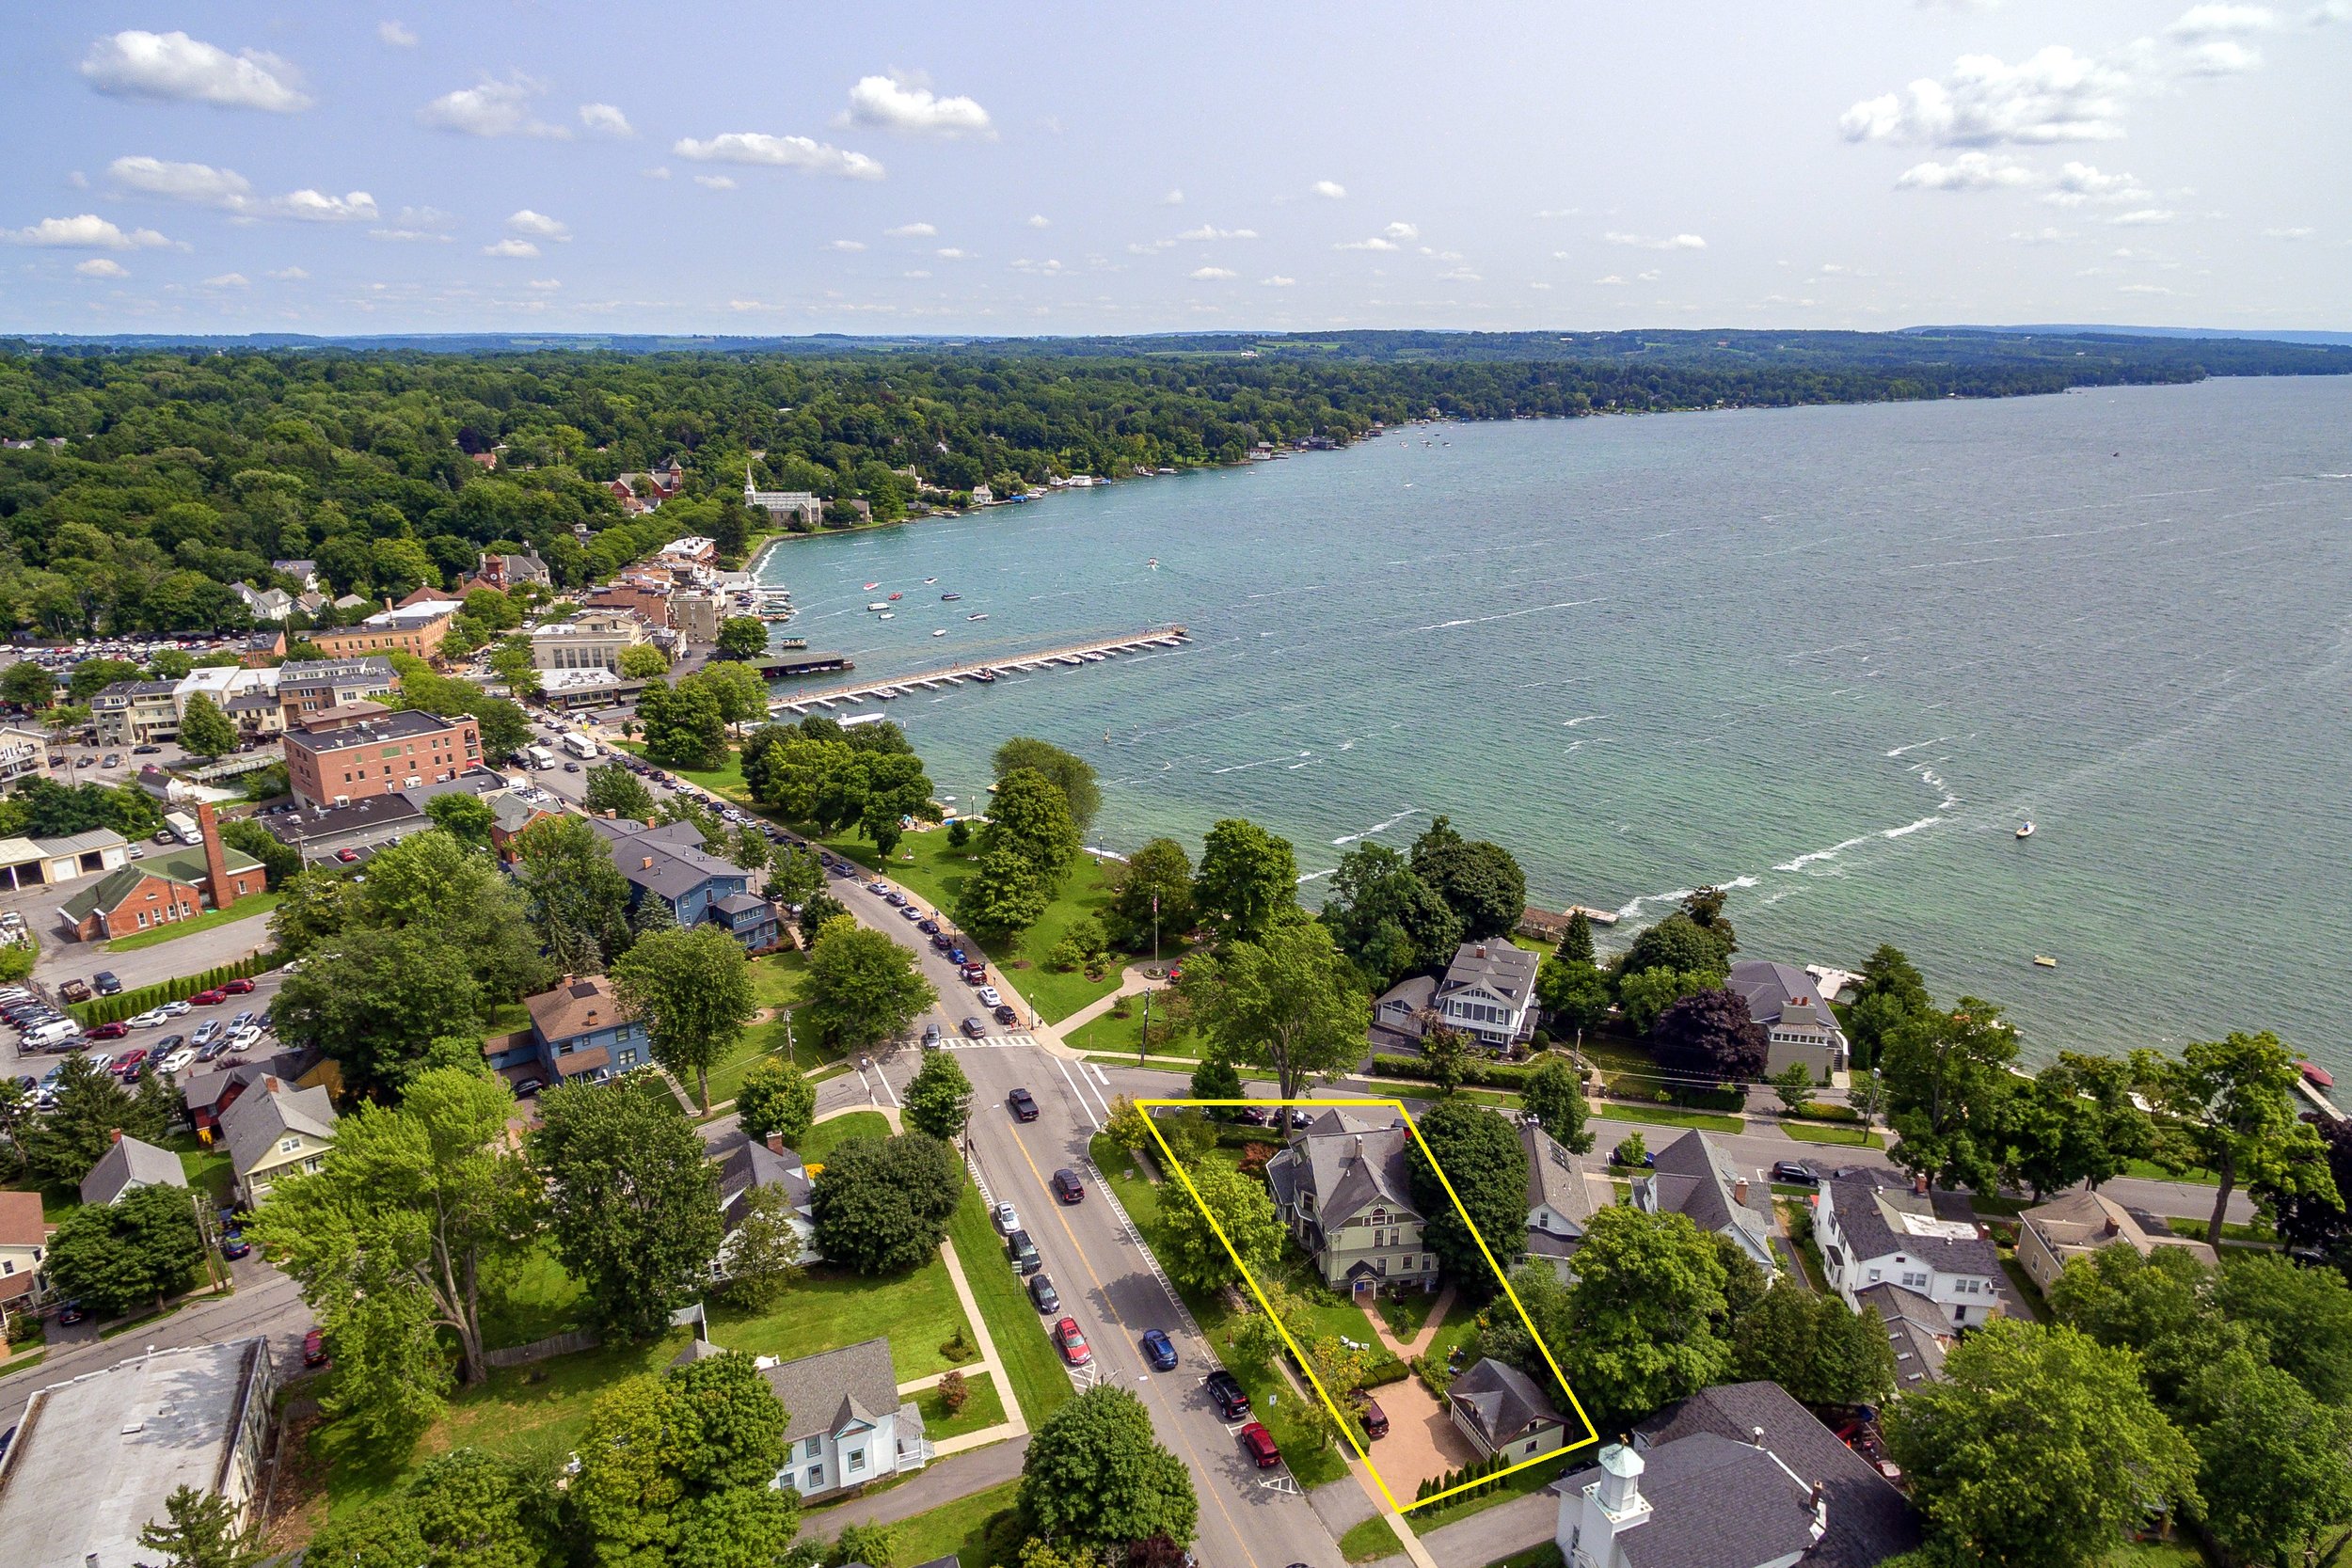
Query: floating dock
x=1076, y=655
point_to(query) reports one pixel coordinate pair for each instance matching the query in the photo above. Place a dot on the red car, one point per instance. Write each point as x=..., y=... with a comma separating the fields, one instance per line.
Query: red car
x=314, y=1349
x=238, y=988
x=128, y=1063
x=1073, y=1342
x=1259, y=1442
x=213, y=998
x=347, y=856
x=114, y=1031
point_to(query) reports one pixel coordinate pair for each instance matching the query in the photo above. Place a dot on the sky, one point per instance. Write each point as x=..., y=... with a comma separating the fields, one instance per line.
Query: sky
x=1055, y=168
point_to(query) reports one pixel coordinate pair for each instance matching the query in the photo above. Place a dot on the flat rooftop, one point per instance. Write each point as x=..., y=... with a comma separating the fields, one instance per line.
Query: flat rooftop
x=96, y=1457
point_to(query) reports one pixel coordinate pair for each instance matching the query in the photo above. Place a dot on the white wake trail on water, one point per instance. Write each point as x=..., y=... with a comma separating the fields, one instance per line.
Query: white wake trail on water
x=1377, y=826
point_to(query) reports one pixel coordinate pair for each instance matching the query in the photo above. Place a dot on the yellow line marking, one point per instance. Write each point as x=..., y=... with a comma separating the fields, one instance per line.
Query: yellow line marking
x=1346, y=1426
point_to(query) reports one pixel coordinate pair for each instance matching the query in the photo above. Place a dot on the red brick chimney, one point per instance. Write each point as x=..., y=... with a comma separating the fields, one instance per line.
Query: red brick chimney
x=775, y=1143
x=223, y=892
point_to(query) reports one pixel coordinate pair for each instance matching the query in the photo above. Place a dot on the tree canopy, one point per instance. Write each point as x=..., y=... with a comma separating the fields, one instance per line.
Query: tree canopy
x=880, y=1205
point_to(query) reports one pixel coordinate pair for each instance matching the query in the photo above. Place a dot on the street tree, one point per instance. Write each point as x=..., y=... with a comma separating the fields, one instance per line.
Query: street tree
x=1289, y=1002
x=510, y=661
x=2228, y=1105
x=776, y=1100
x=1215, y=1078
x=200, y=1530
x=204, y=730
x=1190, y=1250
x=1247, y=878
x=1095, y=1478
x=93, y=1106
x=1641, y=1325
x=1479, y=1152
x=742, y=636
x=1711, y=1036
x=1814, y=1345
x=694, y=988
x=612, y=787
x=939, y=1099
x=2074, y=1121
x=1004, y=896
x=880, y=1205
x=633, y=1204
x=1945, y=1075
x=1126, y=1126
x=410, y=1225
x=676, y=1471
x=861, y=987
x=747, y=847
x=1553, y=1095
x=1794, y=1084
x=1445, y=1054
x=1150, y=892
x=1031, y=818
x=2038, y=1449
x=1479, y=882
x=134, y=1252
x=575, y=898
x=1072, y=775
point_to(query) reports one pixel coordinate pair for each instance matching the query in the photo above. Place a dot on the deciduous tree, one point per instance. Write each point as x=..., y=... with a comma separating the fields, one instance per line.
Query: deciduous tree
x=93, y=1106
x=743, y=637
x=1072, y=775
x=1554, y=1097
x=880, y=1206
x=462, y=817
x=1151, y=890
x=204, y=730
x=1003, y=897
x=2229, y=1104
x=762, y=1253
x=1030, y=817
x=1815, y=1346
x=1385, y=917
x=1479, y=882
x=575, y=896
x=1247, y=878
x=939, y=1099
x=613, y=788
x=776, y=1100
x=1480, y=1154
x=675, y=1471
x=134, y=1252
x=1096, y=1478
x=1288, y=1002
x=694, y=988
x=862, y=988
x=1947, y=1074
x=1190, y=1248
x=1642, y=1326
x=1711, y=1036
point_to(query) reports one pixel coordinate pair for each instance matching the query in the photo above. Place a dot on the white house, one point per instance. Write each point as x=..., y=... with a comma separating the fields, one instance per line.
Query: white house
x=1488, y=992
x=844, y=1423
x=750, y=1166
x=1873, y=1232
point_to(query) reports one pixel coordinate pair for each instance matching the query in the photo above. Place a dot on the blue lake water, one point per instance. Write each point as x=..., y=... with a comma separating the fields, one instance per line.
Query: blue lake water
x=1828, y=658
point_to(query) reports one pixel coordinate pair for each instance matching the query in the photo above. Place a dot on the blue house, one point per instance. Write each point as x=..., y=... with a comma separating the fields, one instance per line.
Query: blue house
x=666, y=860
x=579, y=1031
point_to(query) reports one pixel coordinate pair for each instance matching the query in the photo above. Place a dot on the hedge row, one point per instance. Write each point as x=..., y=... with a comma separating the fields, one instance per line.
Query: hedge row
x=105, y=1009
x=1817, y=1111
x=1489, y=1075
x=1486, y=1467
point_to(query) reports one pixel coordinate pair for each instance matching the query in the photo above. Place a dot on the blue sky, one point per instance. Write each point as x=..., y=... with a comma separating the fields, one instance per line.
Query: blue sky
x=1058, y=168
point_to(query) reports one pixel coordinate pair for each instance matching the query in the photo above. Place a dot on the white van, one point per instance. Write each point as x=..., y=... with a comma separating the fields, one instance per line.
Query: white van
x=51, y=1035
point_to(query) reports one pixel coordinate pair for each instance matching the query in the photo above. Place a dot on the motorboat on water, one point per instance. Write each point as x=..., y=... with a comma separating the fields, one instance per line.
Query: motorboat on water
x=878, y=605
x=978, y=615
x=986, y=677
x=949, y=598
x=871, y=586
x=896, y=596
x=2025, y=832
x=2043, y=960
x=928, y=581
x=941, y=632
x=885, y=615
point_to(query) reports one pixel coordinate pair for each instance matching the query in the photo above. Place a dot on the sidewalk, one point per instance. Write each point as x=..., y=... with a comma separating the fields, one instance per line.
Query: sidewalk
x=1131, y=982
x=1015, y=1424
x=1402, y=1351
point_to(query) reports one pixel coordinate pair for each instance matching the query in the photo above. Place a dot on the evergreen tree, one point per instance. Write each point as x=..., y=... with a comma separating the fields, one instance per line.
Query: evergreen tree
x=1576, y=942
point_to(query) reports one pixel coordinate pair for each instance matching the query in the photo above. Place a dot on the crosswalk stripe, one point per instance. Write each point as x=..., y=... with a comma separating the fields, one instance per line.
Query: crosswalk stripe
x=990, y=1042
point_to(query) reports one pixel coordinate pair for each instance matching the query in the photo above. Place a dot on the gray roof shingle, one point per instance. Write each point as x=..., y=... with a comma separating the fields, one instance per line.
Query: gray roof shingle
x=824, y=1393
x=1694, y=1177
x=268, y=1112
x=1861, y=1200
x=1502, y=1402
x=127, y=1164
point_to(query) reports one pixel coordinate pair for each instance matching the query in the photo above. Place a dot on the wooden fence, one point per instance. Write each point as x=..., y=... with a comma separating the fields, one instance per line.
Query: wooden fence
x=540, y=1349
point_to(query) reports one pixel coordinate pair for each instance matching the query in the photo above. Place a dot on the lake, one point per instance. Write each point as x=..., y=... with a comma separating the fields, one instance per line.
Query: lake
x=1830, y=659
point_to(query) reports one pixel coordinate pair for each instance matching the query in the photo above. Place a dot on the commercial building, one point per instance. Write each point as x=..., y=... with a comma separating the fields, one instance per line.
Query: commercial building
x=35, y=861
x=172, y=885
x=136, y=713
x=24, y=754
x=311, y=686
x=375, y=820
x=418, y=631
x=95, y=1459
x=593, y=639
x=362, y=748
x=696, y=615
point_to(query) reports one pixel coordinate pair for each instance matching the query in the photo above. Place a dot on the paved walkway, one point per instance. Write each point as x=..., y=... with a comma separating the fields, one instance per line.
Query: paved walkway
x=1015, y=1424
x=1131, y=982
x=1402, y=1351
x=1499, y=1531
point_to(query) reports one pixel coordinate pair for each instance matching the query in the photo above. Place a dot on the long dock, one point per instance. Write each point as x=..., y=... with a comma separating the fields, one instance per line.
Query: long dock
x=1074, y=654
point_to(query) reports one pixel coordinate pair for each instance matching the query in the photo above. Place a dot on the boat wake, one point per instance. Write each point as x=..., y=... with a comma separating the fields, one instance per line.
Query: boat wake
x=1376, y=827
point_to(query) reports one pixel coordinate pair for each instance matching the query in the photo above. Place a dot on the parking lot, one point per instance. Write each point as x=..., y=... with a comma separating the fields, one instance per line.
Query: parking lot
x=18, y=1063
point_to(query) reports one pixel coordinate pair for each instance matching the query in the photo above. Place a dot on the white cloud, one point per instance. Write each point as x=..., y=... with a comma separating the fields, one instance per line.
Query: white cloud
x=1174, y=198
x=287, y=274
x=2144, y=218
x=1658, y=242
x=203, y=185
x=511, y=248
x=1277, y=282
x=1970, y=171
x=179, y=68
x=1212, y=275
x=2327, y=11
x=2039, y=236
x=715, y=181
x=606, y=120
x=844, y=244
x=319, y=207
x=2286, y=233
x=87, y=232
x=408, y=236
x=1539, y=286
x=2080, y=182
x=1375, y=243
x=1399, y=232
x=2053, y=96
x=2144, y=289
x=913, y=231
x=1462, y=274
x=660, y=171
x=1611, y=281
x=1047, y=268
x=99, y=266
x=916, y=273
x=1039, y=220
x=757, y=147
x=491, y=109
x=543, y=284
x=1650, y=276
x=950, y=253
x=1210, y=231
x=396, y=34
x=538, y=226
x=2199, y=22
x=228, y=280
x=894, y=103
x=1331, y=190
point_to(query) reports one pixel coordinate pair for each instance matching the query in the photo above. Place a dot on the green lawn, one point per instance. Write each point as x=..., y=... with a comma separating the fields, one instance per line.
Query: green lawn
x=529, y=1301
x=828, y=1135
x=1545, y=1556
x=1820, y=1132
x=984, y=1407
x=2186, y=1224
x=1040, y=1387
x=252, y=905
x=2023, y=1284
x=207, y=1170
x=2147, y=1171
x=1670, y=1115
x=961, y=1529
x=777, y=979
x=727, y=781
x=1119, y=1036
x=1370, y=1541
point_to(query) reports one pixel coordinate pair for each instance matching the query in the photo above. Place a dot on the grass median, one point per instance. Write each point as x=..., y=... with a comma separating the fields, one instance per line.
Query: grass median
x=1039, y=1384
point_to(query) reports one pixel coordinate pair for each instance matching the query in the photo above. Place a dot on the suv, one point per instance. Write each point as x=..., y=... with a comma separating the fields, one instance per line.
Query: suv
x=1259, y=1442
x=1067, y=1187
x=1225, y=1392
x=106, y=983
x=1024, y=1105
x=1795, y=1173
x=1023, y=1252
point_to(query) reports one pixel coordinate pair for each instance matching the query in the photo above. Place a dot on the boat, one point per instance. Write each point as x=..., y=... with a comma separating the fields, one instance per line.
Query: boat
x=1153, y=563
x=986, y=677
x=941, y=632
x=2043, y=960
x=927, y=582
x=878, y=605
x=978, y=615
x=897, y=596
x=883, y=616
x=871, y=586
x=949, y=598
x=2025, y=832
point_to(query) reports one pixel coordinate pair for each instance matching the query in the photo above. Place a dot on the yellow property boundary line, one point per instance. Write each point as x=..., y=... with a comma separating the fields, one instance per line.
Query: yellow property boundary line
x=1340, y=1419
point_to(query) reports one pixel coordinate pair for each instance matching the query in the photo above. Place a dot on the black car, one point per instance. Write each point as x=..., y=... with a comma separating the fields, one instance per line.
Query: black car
x=1225, y=1392
x=1024, y=1105
x=106, y=983
x=1023, y=1252
x=939, y=942
x=1043, y=1293
x=1067, y=1187
x=1003, y=1013
x=1794, y=1173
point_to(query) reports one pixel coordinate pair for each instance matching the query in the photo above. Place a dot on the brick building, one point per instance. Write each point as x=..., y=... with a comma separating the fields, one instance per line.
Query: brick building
x=418, y=632
x=177, y=884
x=311, y=686
x=363, y=749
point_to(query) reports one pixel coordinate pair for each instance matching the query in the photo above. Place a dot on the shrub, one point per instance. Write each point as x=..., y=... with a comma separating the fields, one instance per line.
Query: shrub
x=953, y=1392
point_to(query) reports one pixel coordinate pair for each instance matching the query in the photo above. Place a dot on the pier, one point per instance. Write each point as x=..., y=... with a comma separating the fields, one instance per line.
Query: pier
x=1073, y=656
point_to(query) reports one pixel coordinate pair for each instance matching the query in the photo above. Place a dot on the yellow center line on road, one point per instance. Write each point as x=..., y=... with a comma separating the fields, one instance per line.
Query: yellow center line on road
x=1200, y=1464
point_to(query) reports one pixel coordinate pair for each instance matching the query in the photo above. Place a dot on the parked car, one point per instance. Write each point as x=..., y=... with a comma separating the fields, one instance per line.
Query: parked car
x=1006, y=1220
x=1003, y=1013
x=347, y=855
x=314, y=1349
x=1072, y=1342
x=1067, y=1187
x=243, y=1020
x=991, y=997
x=1023, y=1252
x=212, y=1050
x=1024, y=1105
x=930, y=927
x=528, y=1088
x=1794, y=1173
x=208, y=1031
x=973, y=1028
x=70, y=1313
x=243, y=1039
x=238, y=988
x=213, y=998
x=1259, y=1443
x=1042, y=1294
x=130, y=1061
x=939, y=942
x=180, y=1060
x=1225, y=1392
x=76, y=989
x=894, y=898
x=911, y=912
x=114, y=1031
x=114, y=759
x=106, y=983
x=1159, y=1350
x=234, y=1246
x=956, y=957
x=174, y=1010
